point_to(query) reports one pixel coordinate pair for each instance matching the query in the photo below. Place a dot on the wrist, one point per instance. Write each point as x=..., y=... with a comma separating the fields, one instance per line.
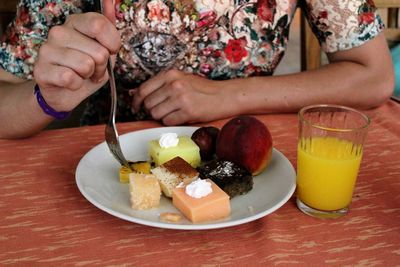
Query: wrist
x=47, y=109
x=237, y=94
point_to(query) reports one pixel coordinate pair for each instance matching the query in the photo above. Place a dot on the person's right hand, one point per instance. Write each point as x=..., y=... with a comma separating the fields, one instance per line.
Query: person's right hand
x=71, y=65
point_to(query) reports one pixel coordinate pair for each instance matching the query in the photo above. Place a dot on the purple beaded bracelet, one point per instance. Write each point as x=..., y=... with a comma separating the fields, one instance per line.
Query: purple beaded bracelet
x=58, y=115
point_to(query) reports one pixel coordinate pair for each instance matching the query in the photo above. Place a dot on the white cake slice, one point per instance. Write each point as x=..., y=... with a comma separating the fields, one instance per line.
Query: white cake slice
x=172, y=173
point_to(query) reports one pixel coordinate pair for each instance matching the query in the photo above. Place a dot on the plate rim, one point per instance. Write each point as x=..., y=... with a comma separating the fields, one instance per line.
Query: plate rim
x=175, y=226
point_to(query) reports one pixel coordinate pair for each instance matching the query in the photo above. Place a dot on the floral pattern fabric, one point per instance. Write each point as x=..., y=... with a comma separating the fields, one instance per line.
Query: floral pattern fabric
x=23, y=37
x=218, y=40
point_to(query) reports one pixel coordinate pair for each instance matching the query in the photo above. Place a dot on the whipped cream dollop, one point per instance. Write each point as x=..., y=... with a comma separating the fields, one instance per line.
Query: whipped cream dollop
x=168, y=140
x=199, y=188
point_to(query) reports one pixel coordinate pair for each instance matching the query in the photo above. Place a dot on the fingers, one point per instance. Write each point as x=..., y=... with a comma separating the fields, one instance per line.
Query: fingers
x=48, y=75
x=163, y=108
x=109, y=10
x=156, y=97
x=146, y=89
x=176, y=98
x=96, y=26
x=71, y=65
x=84, y=35
x=61, y=37
x=173, y=111
x=153, y=87
x=175, y=118
x=169, y=112
x=79, y=62
x=172, y=104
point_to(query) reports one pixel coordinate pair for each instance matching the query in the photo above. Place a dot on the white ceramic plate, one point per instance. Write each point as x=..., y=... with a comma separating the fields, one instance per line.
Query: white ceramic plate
x=97, y=179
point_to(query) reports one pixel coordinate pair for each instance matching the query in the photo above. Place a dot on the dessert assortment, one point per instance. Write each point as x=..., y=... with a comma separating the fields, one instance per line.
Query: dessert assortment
x=202, y=172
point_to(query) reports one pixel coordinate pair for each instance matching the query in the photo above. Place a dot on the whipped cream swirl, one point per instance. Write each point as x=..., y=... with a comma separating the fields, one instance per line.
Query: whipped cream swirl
x=168, y=140
x=199, y=188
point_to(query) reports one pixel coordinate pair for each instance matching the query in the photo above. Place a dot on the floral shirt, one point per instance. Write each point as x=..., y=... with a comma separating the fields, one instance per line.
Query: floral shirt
x=218, y=40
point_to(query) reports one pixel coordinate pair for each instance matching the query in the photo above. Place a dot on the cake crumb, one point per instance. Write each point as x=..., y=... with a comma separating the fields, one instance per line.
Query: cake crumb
x=251, y=209
x=170, y=217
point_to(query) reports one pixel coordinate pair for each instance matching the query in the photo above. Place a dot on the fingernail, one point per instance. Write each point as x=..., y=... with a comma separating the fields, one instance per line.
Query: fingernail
x=131, y=92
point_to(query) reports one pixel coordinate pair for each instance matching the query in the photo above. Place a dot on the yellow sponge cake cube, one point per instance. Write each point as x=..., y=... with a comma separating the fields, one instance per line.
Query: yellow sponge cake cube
x=145, y=191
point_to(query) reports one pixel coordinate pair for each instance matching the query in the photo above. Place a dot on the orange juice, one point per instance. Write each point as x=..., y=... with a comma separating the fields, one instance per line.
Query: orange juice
x=326, y=172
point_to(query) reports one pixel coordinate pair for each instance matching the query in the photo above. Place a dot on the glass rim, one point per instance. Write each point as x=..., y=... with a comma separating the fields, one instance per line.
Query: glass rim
x=344, y=108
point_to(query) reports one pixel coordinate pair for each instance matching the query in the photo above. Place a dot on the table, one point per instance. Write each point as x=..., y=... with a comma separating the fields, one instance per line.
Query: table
x=46, y=221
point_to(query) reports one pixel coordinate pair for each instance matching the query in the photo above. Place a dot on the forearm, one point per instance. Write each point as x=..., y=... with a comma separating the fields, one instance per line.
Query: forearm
x=20, y=114
x=344, y=83
x=361, y=77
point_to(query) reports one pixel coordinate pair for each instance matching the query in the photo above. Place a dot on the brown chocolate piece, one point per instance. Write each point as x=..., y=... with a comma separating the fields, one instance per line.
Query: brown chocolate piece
x=230, y=177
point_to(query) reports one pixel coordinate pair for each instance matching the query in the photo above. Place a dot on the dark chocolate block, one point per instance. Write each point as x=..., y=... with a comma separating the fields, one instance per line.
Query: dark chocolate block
x=230, y=177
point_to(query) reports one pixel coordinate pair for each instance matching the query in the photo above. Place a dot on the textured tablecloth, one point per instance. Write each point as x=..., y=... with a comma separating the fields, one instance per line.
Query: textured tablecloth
x=46, y=221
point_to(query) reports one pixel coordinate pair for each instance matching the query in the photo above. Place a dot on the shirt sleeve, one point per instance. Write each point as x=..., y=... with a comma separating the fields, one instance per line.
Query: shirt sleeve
x=342, y=25
x=21, y=41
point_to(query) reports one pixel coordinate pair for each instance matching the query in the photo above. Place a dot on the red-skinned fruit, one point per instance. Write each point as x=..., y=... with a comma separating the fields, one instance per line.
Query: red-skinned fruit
x=246, y=141
x=206, y=138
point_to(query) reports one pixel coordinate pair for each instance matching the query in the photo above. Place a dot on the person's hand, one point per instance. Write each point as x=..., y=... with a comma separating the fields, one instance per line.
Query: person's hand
x=71, y=65
x=175, y=97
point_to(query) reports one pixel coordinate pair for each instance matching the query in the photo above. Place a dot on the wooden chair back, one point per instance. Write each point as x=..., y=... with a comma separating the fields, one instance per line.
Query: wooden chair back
x=310, y=49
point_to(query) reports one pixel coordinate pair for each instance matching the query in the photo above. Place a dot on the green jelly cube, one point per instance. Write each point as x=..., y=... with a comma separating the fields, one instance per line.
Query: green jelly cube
x=186, y=149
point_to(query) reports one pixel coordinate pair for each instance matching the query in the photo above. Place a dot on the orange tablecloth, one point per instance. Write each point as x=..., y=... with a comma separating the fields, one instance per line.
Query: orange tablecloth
x=45, y=220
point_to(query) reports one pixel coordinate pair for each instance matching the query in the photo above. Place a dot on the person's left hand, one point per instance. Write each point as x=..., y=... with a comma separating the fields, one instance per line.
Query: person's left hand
x=175, y=97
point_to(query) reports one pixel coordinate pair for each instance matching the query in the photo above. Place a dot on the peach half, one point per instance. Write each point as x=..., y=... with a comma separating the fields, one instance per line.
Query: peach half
x=246, y=141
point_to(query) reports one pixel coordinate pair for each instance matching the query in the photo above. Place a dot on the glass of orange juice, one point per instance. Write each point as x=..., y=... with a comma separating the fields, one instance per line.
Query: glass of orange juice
x=329, y=152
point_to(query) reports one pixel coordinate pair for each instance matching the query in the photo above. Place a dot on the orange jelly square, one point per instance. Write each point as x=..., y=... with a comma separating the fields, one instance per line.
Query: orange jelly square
x=214, y=206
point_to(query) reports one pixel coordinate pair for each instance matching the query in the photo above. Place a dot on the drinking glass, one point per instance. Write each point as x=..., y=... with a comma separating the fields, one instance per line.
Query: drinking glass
x=329, y=152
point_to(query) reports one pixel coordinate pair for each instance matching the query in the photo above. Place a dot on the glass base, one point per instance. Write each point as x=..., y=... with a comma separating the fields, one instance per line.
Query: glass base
x=322, y=214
